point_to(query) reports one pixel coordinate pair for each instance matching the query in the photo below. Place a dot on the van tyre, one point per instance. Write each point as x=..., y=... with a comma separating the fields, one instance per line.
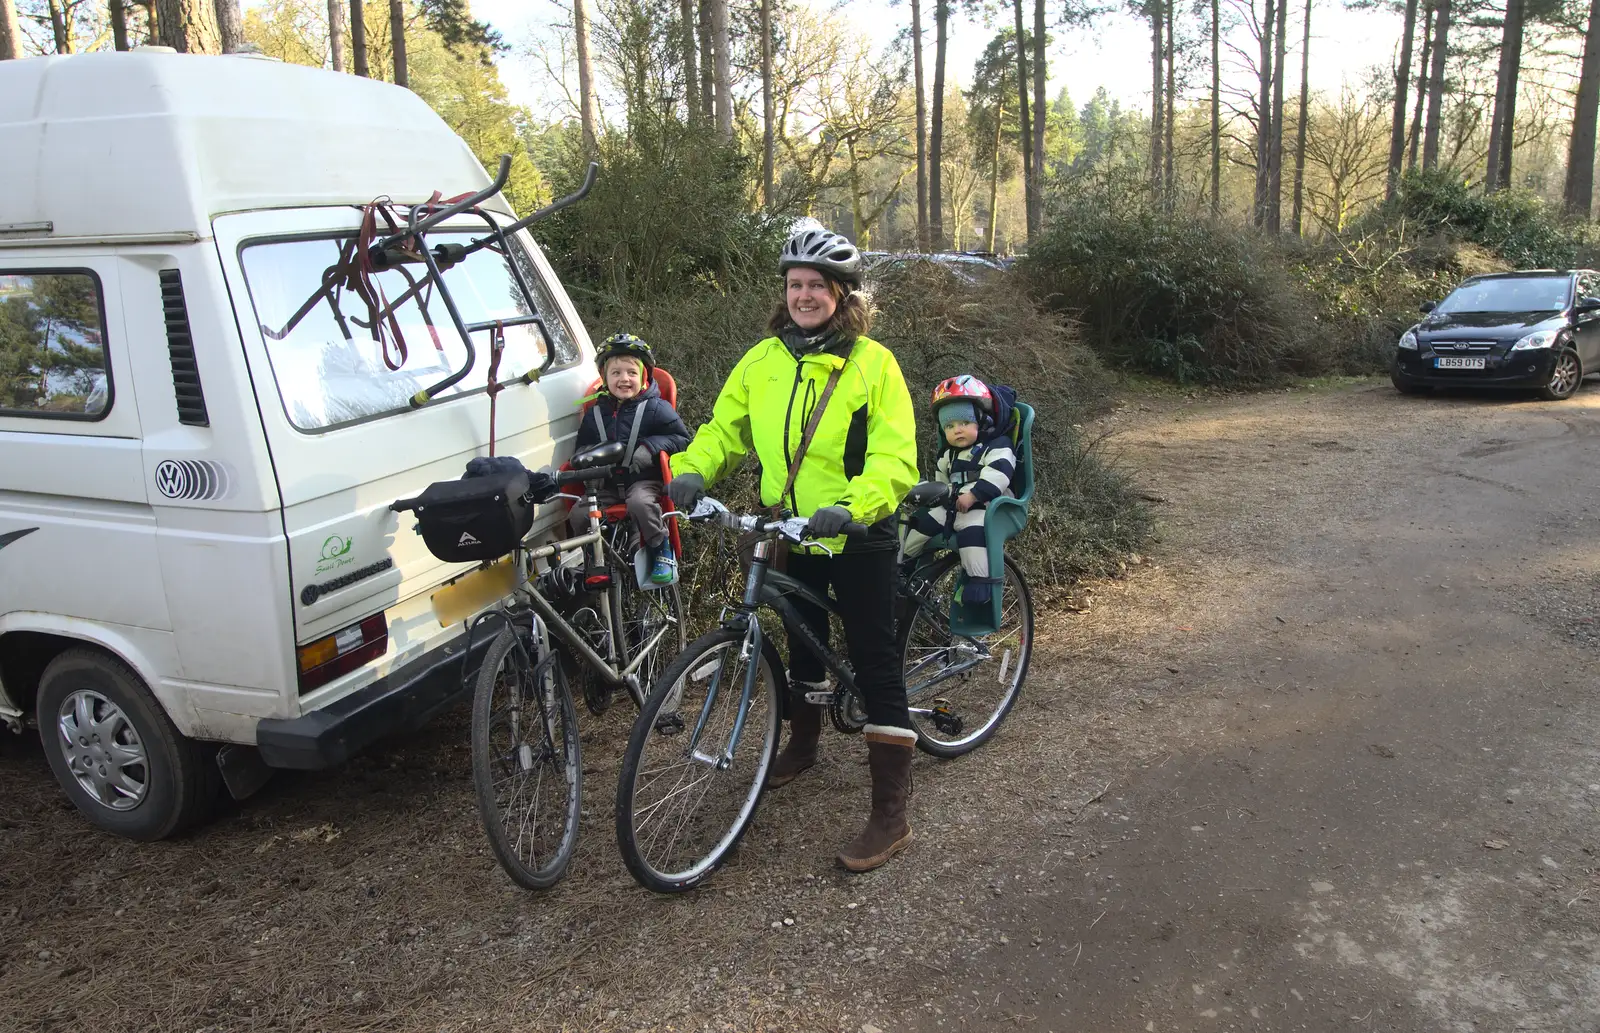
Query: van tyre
x=1566, y=373
x=116, y=753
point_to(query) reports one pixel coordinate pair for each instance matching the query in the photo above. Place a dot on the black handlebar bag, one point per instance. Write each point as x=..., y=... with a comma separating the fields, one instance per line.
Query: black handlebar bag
x=476, y=518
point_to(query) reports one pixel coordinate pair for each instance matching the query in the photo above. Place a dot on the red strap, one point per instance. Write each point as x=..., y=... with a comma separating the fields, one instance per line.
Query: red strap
x=497, y=347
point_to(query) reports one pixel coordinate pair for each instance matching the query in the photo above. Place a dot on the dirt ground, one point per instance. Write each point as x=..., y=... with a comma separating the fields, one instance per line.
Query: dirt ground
x=1328, y=759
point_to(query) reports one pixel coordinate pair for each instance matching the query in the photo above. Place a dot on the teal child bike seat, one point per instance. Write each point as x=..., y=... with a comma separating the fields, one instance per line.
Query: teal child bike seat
x=1007, y=516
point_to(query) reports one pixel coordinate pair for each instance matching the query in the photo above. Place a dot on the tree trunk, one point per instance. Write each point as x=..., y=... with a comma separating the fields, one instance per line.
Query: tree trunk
x=586, y=98
x=336, y=34
x=1025, y=122
x=1264, y=116
x=397, y=42
x=1402, y=81
x=1167, y=175
x=1414, y=138
x=152, y=30
x=1216, y=112
x=358, y=38
x=10, y=31
x=119, y=23
x=58, y=28
x=768, y=139
x=230, y=26
x=708, y=78
x=1300, y=126
x=691, y=74
x=1158, y=109
x=994, y=176
x=1275, y=182
x=941, y=20
x=1578, y=197
x=719, y=50
x=1040, y=72
x=188, y=26
x=922, y=126
x=1502, y=129
x=1441, y=51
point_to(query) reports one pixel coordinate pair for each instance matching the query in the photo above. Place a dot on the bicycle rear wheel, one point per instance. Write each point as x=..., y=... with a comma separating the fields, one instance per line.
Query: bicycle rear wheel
x=679, y=811
x=650, y=618
x=526, y=765
x=963, y=687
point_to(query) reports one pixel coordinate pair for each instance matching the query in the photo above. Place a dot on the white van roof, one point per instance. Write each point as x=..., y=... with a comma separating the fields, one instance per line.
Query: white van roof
x=129, y=146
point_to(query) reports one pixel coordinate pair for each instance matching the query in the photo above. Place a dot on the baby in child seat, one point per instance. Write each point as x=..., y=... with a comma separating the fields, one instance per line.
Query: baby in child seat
x=630, y=409
x=977, y=459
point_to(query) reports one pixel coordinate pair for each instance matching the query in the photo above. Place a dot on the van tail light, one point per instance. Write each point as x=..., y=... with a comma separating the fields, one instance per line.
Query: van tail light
x=342, y=652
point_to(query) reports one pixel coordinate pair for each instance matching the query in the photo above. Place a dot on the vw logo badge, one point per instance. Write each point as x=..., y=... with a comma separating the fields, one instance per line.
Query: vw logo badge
x=192, y=479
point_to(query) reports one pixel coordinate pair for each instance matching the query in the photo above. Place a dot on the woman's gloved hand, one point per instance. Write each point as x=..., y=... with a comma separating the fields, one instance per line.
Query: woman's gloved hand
x=685, y=490
x=828, y=521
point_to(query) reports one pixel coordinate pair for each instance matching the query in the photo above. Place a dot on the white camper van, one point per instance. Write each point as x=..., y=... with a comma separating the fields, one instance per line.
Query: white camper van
x=211, y=389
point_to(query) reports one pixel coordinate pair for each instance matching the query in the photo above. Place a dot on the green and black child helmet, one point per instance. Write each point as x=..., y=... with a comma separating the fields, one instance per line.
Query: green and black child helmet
x=618, y=345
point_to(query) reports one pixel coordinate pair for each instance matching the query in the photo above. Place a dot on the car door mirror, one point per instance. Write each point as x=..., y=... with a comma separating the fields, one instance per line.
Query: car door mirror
x=1427, y=306
x=1587, y=305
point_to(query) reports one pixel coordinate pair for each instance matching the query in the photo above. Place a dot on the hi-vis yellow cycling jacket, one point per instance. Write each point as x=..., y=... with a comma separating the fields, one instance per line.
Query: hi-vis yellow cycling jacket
x=864, y=454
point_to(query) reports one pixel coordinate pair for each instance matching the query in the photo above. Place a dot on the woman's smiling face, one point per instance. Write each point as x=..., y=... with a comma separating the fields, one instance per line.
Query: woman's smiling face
x=810, y=298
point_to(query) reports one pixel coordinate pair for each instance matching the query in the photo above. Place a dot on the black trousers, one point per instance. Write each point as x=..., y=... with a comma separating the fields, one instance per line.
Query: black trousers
x=863, y=582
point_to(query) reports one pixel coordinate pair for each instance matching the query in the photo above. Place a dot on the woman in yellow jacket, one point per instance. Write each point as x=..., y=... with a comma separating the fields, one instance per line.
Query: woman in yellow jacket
x=861, y=462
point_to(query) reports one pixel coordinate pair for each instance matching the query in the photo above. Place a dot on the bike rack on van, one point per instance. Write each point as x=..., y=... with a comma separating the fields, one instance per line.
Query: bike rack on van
x=409, y=245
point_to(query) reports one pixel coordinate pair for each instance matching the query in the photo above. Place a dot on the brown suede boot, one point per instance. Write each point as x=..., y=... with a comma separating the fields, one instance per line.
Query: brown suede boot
x=800, y=752
x=889, y=752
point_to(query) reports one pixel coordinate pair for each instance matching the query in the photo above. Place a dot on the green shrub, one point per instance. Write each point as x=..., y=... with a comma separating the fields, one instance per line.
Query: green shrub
x=1177, y=295
x=1514, y=224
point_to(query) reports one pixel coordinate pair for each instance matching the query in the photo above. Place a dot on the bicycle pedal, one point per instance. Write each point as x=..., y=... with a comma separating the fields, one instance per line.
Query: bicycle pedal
x=821, y=699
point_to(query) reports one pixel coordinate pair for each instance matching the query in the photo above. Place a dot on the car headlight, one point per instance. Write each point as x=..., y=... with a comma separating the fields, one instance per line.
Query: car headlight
x=1408, y=341
x=1537, y=339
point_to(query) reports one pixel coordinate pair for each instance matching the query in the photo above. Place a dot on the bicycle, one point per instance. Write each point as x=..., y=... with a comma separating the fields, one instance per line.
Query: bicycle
x=667, y=774
x=524, y=720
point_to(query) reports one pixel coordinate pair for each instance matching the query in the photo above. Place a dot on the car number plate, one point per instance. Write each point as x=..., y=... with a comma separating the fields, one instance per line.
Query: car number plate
x=1457, y=363
x=471, y=592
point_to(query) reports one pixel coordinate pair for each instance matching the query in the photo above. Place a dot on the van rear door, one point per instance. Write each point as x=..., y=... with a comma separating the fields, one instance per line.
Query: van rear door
x=336, y=405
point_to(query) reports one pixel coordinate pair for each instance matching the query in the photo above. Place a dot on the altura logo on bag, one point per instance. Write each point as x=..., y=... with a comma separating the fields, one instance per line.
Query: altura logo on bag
x=467, y=539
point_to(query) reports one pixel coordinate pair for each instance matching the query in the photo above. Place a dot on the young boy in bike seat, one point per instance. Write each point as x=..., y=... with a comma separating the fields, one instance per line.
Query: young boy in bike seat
x=630, y=409
x=978, y=461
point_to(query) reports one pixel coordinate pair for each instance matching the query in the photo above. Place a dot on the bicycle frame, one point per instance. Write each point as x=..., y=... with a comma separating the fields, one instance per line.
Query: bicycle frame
x=618, y=667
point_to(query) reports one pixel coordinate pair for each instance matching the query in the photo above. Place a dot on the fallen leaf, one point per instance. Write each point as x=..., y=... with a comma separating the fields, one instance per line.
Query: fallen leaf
x=1496, y=844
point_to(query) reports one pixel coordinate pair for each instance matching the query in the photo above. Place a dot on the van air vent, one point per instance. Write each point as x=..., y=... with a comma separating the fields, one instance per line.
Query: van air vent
x=180, y=346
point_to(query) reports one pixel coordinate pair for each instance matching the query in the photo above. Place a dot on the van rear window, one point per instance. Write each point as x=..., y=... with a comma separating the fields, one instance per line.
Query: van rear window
x=52, y=346
x=331, y=365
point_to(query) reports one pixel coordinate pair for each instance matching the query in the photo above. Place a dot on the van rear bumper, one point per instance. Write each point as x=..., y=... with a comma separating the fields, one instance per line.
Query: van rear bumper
x=403, y=700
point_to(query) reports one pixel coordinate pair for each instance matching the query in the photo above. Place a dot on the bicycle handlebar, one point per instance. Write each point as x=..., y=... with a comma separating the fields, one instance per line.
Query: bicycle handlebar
x=796, y=529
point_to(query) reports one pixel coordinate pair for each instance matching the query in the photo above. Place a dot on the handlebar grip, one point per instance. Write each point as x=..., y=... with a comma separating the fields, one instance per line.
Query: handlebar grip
x=855, y=530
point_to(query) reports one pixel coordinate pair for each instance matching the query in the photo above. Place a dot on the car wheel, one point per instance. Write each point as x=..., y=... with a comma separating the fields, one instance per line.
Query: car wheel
x=116, y=753
x=1405, y=387
x=1566, y=373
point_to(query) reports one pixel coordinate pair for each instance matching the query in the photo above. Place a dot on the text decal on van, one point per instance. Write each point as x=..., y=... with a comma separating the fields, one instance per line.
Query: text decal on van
x=335, y=553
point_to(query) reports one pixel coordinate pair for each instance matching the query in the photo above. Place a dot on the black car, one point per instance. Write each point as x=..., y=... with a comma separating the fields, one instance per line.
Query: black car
x=1538, y=330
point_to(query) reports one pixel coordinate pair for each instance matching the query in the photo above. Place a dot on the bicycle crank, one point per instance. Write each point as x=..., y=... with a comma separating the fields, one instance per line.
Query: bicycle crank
x=846, y=712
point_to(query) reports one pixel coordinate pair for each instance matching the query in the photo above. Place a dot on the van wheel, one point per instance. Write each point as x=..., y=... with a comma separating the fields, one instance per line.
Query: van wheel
x=115, y=751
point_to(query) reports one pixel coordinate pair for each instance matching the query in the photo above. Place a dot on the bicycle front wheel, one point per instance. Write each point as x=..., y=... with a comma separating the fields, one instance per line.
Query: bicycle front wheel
x=526, y=765
x=961, y=688
x=694, y=772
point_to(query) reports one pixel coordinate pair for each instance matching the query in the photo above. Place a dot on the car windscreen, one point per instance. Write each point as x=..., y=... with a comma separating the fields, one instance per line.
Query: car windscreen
x=1511, y=294
x=332, y=365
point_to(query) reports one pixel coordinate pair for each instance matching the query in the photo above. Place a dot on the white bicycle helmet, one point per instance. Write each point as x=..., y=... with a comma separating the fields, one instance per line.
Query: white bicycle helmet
x=823, y=250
